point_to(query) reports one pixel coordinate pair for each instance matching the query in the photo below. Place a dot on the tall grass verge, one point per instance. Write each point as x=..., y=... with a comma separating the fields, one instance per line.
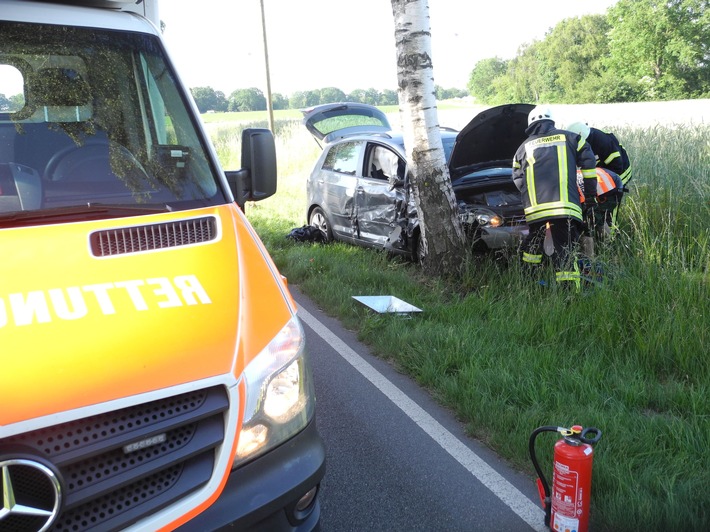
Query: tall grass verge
x=630, y=357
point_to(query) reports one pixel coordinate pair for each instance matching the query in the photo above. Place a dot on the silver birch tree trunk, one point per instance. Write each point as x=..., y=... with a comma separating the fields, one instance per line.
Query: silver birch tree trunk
x=442, y=235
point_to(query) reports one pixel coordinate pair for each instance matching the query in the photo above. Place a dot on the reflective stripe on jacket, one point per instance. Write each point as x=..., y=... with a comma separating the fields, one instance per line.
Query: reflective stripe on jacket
x=609, y=153
x=545, y=172
x=606, y=182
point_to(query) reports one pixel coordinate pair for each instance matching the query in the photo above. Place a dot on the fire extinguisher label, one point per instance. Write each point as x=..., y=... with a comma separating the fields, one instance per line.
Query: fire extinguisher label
x=566, y=496
x=563, y=523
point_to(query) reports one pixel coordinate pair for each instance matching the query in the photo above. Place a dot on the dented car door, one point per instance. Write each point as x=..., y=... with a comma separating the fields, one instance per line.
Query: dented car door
x=338, y=184
x=379, y=195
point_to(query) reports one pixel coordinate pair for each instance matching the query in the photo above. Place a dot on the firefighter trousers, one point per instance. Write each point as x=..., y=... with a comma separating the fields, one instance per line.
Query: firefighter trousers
x=604, y=216
x=565, y=234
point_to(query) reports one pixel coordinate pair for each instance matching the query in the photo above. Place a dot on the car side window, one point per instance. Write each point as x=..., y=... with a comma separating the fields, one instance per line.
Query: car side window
x=386, y=165
x=343, y=158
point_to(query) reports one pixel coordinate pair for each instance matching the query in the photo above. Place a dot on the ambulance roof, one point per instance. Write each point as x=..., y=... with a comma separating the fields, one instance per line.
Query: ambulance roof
x=86, y=13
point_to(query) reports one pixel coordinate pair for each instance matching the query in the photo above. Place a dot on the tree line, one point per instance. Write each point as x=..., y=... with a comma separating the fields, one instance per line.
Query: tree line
x=253, y=99
x=640, y=50
x=11, y=104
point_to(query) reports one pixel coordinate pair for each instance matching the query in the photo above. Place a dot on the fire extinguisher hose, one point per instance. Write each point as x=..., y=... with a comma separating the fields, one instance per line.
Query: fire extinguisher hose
x=540, y=474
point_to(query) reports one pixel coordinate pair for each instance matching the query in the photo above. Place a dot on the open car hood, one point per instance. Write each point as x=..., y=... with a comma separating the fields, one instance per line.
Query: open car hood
x=330, y=121
x=493, y=135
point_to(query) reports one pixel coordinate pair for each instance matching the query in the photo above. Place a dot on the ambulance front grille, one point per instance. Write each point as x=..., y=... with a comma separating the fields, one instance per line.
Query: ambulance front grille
x=155, y=236
x=121, y=466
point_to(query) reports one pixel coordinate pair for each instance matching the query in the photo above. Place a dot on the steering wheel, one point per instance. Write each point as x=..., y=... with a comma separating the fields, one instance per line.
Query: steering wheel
x=94, y=160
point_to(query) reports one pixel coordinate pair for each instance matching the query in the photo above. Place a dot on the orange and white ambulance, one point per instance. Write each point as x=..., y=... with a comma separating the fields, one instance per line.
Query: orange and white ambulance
x=153, y=370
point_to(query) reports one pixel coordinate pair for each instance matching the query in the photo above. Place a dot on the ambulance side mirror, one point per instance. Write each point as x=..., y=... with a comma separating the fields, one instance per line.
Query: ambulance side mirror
x=256, y=180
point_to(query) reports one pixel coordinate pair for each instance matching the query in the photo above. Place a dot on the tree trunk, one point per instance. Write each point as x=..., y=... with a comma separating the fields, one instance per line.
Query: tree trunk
x=442, y=235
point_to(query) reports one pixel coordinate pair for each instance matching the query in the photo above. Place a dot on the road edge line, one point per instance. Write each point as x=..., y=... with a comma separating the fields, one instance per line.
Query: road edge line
x=489, y=477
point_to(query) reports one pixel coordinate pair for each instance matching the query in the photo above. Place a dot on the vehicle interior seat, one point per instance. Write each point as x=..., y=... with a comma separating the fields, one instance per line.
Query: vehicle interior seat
x=57, y=117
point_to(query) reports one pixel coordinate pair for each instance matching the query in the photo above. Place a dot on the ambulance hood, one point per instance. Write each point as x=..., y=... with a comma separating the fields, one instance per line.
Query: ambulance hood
x=97, y=311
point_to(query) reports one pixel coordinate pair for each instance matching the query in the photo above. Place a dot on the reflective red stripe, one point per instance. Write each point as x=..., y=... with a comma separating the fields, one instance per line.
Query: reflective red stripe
x=605, y=183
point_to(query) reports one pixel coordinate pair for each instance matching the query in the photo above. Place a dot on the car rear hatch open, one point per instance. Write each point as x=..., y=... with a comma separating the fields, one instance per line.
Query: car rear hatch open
x=336, y=120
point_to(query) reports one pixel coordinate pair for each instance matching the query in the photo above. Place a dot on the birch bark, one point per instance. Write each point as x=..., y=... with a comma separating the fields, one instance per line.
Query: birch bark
x=442, y=240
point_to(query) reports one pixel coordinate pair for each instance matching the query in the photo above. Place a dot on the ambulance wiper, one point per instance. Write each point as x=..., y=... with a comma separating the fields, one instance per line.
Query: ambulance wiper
x=75, y=213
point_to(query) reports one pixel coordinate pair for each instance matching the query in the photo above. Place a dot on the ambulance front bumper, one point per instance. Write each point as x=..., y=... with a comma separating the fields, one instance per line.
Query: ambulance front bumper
x=272, y=492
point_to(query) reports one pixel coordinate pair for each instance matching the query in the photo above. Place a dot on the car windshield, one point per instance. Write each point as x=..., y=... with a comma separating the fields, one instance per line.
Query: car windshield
x=89, y=118
x=447, y=141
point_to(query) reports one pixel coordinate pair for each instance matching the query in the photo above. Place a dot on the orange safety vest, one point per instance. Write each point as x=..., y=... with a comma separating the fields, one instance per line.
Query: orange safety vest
x=605, y=183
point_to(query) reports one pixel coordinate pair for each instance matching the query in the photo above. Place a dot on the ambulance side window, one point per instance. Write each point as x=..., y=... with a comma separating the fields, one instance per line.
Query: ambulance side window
x=170, y=130
x=12, y=96
x=160, y=120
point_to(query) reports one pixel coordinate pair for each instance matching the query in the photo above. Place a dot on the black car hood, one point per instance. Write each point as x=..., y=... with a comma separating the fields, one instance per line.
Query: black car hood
x=493, y=135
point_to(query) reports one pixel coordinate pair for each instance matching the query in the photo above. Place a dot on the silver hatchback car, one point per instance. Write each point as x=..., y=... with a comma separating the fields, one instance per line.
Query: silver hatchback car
x=358, y=192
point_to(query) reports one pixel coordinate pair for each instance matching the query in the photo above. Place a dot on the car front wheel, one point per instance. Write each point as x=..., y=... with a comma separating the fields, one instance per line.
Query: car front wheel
x=319, y=220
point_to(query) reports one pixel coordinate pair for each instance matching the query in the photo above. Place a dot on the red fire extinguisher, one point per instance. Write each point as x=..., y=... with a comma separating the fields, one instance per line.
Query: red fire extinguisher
x=567, y=507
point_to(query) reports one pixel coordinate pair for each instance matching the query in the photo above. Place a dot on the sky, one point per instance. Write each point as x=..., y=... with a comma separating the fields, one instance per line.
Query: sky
x=349, y=45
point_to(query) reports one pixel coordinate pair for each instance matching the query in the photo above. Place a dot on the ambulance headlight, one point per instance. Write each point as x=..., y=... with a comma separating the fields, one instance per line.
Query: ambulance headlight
x=279, y=394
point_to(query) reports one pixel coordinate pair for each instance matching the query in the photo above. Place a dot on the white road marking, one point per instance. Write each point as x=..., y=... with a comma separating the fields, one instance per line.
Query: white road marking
x=489, y=477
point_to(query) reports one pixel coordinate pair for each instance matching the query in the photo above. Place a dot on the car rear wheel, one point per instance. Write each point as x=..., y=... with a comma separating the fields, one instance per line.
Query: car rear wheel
x=319, y=220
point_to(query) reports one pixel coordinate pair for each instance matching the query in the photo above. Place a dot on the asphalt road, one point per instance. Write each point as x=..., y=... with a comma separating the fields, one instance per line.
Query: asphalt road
x=397, y=461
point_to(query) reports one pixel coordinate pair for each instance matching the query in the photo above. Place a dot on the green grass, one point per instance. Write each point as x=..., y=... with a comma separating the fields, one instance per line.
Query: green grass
x=630, y=358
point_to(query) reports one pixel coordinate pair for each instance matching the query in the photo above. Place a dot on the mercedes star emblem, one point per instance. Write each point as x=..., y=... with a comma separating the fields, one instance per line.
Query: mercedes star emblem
x=29, y=489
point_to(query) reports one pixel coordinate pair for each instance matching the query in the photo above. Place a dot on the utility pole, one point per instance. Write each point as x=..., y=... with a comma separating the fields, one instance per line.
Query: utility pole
x=269, y=106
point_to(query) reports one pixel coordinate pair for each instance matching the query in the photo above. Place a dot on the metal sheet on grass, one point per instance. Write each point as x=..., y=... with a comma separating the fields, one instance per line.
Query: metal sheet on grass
x=387, y=304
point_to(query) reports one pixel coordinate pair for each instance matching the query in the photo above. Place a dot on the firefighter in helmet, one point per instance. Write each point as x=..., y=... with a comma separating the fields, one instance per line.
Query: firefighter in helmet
x=612, y=157
x=545, y=172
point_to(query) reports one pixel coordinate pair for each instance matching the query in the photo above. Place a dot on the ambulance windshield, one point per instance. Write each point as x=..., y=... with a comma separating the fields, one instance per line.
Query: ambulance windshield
x=95, y=117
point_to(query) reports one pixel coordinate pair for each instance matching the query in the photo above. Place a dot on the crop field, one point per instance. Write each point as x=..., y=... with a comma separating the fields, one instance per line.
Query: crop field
x=631, y=357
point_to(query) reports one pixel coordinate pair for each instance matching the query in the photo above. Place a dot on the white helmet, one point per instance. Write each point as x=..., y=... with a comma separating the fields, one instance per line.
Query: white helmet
x=541, y=112
x=581, y=128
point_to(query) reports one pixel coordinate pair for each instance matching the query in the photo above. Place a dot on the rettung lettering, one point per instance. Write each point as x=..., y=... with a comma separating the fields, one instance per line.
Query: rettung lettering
x=76, y=302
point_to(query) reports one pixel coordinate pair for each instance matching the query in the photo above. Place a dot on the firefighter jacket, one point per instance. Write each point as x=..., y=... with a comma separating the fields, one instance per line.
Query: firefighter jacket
x=610, y=154
x=545, y=172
